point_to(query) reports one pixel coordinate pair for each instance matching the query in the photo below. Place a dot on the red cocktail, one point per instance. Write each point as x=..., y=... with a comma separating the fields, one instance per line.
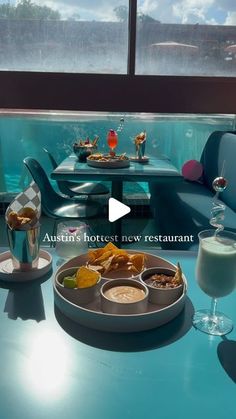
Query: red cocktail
x=112, y=139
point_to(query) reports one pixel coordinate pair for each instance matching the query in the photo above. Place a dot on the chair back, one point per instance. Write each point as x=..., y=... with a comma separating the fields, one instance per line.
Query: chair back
x=62, y=184
x=50, y=199
x=51, y=158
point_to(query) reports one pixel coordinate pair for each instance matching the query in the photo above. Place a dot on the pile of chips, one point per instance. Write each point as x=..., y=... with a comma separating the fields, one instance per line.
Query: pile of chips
x=111, y=258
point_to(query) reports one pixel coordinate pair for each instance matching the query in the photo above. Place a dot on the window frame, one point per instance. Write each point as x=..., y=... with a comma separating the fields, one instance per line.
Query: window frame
x=118, y=93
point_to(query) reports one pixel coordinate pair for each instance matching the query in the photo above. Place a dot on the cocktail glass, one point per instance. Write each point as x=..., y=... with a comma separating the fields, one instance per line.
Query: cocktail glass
x=112, y=140
x=216, y=276
x=70, y=239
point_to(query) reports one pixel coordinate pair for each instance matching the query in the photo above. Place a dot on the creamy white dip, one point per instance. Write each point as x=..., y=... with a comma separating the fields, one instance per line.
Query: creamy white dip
x=125, y=294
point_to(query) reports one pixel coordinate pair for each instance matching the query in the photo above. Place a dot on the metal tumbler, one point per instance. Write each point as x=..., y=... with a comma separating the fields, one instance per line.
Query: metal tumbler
x=24, y=248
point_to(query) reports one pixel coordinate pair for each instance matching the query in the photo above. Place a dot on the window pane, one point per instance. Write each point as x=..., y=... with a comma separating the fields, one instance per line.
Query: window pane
x=64, y=36
x=183, y=37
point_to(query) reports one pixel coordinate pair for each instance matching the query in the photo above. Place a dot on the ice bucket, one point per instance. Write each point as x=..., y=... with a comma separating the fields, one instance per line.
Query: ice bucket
x=24, y=248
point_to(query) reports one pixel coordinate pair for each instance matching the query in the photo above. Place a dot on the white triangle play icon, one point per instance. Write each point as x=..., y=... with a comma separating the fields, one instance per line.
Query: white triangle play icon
x=116, y=209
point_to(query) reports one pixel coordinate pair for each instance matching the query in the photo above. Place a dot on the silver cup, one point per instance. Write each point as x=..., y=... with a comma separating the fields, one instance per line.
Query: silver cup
x=83, y=151
x=24, y=248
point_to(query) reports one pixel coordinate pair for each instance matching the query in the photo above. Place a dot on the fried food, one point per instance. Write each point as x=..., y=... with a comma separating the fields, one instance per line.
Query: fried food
x=178, y=279
x=95, y=156
x=86, y=277
x=16, y=220
x=110, y=258
x=137, y=261
x=107, y=157
x=28, y=213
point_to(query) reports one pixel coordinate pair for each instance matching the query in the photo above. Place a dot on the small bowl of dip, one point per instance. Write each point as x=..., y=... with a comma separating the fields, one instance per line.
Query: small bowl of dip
x=124, y=296
x=162, y=286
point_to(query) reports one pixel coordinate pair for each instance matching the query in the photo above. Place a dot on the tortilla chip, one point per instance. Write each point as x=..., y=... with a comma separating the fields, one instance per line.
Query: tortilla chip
x=137, y=261
x=111, y=258
x=106, y=264
x=110, y=246
x=178, y=279
x=104, y=256
x=94, y=254
x=121, y=259
x=97, y=268
x=86, y=277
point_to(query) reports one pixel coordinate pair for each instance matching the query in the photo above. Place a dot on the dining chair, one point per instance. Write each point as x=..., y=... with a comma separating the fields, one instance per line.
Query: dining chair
x=54, y=205
x=73, y=189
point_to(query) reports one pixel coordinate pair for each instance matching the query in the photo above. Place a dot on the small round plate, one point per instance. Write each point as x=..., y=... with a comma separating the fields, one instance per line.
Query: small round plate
x=7, y=272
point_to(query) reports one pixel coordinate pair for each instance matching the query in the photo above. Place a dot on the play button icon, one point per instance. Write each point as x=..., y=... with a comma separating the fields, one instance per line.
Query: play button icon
x=116, y=210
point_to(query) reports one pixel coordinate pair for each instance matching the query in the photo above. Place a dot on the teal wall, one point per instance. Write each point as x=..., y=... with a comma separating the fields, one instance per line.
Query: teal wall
x=179, y=137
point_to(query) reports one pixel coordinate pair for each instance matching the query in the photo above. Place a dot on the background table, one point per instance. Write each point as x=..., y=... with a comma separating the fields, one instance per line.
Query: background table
x=71, y=169
x=53, y=368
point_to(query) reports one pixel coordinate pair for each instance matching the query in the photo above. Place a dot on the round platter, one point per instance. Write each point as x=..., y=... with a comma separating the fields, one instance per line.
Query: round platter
x=8, y=274
x=115, y=163
x=91, y=315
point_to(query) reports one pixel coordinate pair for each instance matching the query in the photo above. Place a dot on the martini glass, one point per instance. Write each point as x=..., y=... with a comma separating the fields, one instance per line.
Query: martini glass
x=216, y=276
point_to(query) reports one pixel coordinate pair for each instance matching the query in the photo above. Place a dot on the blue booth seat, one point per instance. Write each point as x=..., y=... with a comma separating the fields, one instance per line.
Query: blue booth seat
x=181, y=207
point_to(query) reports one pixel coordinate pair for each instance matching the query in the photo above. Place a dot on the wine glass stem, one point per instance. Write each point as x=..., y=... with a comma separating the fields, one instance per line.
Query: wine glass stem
x=213, y=308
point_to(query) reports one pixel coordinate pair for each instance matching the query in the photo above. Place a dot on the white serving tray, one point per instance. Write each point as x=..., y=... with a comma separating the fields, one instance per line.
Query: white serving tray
x=8, y=274
x=91, y=315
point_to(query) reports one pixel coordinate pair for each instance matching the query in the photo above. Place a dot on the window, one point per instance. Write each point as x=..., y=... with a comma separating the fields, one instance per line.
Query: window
x=144, y=87
x=181, y=37
x=64, y=36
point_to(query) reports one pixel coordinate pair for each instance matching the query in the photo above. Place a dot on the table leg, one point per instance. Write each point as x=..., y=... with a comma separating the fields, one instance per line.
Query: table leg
x=117, y=193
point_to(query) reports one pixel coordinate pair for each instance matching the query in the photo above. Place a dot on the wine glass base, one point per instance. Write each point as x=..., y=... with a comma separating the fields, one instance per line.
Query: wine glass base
x=217, y=325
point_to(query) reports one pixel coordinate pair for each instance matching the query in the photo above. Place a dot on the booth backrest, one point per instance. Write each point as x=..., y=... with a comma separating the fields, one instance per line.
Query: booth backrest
x=220, y=153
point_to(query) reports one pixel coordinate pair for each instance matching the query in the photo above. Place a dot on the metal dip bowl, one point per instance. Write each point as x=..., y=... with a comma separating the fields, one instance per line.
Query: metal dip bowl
x=117, y=306
x=83, y=151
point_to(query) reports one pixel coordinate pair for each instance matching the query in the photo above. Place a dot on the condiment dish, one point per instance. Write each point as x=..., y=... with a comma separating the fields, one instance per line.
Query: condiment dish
x=124, y=296
x=162, y=296
x=79, y=296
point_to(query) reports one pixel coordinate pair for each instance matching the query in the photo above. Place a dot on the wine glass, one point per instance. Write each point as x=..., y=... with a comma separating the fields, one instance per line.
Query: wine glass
x=112, y=141
x=216, y=276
